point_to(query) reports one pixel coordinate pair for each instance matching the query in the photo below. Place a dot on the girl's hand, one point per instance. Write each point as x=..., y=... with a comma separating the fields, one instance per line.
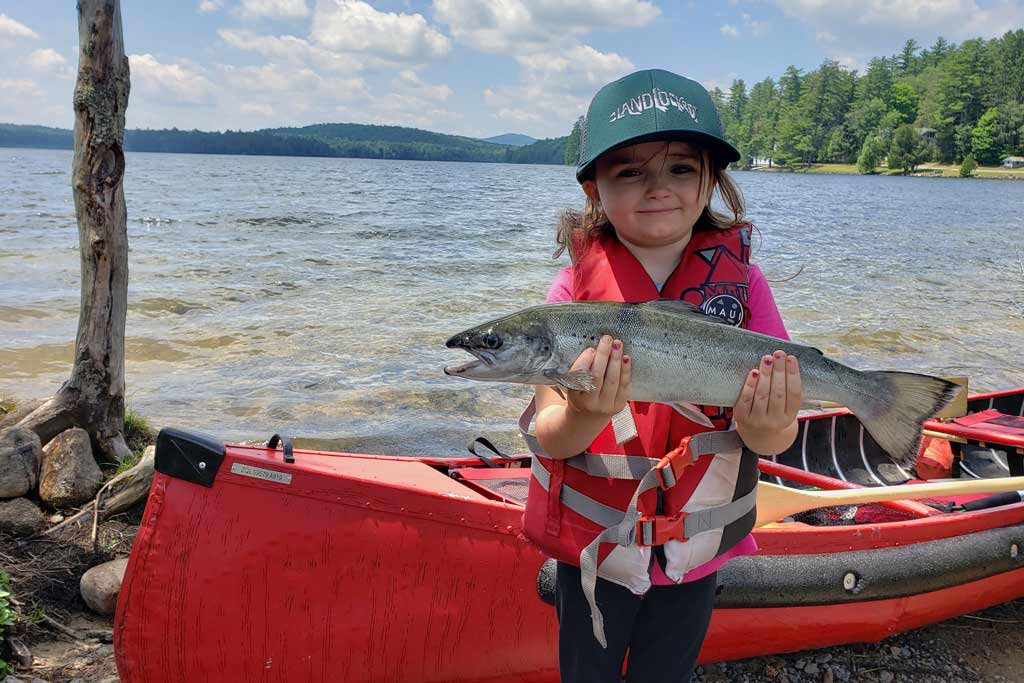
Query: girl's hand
x=611, y=372
x=765, y=413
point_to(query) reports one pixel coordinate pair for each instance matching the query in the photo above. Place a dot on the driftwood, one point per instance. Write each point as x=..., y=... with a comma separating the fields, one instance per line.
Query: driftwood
x=93, y=398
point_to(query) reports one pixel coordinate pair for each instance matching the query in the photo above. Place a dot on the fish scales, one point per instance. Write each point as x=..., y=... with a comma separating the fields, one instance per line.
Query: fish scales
x=679, y=355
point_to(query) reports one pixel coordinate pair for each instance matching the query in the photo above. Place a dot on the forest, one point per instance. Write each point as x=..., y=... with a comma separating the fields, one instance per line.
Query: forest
x=320, y=140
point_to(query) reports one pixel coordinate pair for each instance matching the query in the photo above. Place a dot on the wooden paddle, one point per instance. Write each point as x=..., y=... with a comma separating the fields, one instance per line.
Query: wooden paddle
x=775, y=502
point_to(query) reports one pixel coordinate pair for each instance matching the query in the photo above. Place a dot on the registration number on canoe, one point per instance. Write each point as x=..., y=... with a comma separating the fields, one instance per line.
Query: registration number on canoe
x=260, y=473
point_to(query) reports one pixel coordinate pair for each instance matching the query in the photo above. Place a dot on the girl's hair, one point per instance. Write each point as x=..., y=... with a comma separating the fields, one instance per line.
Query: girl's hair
x=578, y=229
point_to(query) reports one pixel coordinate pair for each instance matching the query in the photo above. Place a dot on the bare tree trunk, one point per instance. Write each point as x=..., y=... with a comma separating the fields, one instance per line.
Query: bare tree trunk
x=93, y=398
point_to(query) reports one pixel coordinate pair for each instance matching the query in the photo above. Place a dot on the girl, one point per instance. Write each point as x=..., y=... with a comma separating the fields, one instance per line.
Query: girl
x=651, y=155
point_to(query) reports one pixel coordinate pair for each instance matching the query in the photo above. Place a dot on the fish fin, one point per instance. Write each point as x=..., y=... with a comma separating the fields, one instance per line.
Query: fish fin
x=577, y=380
x=692, y=413
x=895, y=405
x=680, y=307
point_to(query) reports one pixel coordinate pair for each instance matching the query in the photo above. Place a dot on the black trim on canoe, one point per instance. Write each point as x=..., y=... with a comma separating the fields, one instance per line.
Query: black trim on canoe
x=861, y=575
x=192, y=456
x=858, y=576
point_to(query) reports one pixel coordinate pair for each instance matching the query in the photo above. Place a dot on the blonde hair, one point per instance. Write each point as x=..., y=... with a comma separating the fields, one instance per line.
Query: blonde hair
x=577, y=229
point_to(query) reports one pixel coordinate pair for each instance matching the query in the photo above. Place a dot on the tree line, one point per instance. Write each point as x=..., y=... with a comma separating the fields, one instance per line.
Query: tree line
x=320, y=140
x=947, y=103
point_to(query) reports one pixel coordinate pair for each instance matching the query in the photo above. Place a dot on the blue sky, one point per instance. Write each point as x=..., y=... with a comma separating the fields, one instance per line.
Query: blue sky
x=470, y=67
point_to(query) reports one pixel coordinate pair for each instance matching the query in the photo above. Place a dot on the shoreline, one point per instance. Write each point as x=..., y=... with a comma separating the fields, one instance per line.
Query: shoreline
x=929, y=170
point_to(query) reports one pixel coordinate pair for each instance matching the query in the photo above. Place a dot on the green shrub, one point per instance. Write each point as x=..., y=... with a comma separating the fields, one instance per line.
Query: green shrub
x=7, y=616
x=968, y=167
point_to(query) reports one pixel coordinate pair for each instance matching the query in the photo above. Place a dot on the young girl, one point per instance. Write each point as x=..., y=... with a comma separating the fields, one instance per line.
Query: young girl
x=651, y=155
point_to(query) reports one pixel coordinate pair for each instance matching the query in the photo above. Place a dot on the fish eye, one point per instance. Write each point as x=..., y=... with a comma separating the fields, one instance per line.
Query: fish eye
x=491, y=341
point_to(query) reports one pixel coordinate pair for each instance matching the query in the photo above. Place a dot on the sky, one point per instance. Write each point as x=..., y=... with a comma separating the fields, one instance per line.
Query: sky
x=466, y=67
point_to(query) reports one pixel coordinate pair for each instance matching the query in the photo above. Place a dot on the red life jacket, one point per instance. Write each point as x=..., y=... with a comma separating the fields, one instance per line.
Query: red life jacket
x=713, y=275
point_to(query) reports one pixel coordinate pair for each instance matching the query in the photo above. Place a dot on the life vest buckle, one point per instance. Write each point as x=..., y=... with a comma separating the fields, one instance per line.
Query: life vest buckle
x=660, y=529
x=671, y=467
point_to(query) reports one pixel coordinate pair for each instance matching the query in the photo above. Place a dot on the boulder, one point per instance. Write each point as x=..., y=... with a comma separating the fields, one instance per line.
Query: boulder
x=70, y=476
x=101, y=585
x=20, y=458
x=20, y=517
x=13, y=417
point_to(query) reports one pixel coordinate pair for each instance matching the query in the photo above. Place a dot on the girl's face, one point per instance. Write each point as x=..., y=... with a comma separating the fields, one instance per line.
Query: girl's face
x=652, y=192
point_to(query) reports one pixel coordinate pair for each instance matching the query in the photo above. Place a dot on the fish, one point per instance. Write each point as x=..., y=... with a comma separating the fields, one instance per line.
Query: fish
x=681, y=357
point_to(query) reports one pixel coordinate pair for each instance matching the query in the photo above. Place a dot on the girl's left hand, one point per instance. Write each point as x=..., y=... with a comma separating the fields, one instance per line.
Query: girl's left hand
x=770, y=398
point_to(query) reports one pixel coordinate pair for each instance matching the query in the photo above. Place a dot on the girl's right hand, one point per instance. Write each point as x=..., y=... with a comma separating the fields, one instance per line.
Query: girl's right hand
x=611, y=372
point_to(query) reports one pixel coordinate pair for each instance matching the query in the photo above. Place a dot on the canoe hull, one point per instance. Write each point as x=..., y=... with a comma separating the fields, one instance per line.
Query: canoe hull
x=359, y=568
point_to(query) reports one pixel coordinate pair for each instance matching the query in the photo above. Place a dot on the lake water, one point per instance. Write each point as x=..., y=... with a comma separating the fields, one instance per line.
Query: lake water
x=314, y=296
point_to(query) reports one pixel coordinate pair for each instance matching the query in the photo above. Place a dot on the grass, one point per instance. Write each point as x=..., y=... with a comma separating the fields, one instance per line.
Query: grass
x=6, y=406
x=927, y=169
x=137, y=431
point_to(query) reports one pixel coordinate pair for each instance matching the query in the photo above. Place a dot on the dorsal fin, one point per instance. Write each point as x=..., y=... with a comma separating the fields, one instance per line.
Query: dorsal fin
x=680, y=307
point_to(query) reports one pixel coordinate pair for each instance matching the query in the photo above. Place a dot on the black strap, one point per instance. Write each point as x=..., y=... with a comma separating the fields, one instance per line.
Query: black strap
x=285, y=441
x=490, y=462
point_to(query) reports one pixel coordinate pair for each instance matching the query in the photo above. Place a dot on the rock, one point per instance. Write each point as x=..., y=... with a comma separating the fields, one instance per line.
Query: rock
x=101, y=585
x=70, y=476
x=22, y=409
x=20, y=458
x=20, y=654
x=811, y=669
x=20, y=517
x=885, y=676
x=823, y=659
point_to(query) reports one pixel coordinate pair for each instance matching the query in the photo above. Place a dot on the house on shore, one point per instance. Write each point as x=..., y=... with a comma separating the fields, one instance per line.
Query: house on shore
x=1013, y=162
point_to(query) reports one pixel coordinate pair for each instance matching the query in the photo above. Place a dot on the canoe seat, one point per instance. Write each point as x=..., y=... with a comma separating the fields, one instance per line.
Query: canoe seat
x=509, y=484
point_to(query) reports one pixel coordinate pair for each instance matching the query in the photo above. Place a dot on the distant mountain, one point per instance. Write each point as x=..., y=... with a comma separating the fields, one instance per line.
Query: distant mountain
x=513, y=139
x=320, y=140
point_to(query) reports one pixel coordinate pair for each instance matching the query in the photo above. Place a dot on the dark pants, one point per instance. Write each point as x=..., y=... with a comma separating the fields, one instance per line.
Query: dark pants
x=663, y=630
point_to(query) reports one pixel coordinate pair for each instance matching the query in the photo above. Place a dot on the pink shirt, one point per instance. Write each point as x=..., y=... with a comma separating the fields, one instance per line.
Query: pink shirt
x=764, y=318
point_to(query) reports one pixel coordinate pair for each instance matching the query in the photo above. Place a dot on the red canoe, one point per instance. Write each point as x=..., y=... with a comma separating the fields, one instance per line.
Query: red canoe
x=251, y=565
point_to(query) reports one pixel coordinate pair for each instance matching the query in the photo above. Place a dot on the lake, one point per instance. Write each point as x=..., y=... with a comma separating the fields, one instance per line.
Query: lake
x=314, y=296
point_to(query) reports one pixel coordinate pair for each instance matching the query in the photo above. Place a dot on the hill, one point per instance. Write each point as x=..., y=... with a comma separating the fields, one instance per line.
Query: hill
x=513, y=139
x=320, y=140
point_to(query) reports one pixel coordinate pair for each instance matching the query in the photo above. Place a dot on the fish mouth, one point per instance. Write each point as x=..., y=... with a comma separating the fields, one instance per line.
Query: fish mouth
x=462, y=369
x=483, y=359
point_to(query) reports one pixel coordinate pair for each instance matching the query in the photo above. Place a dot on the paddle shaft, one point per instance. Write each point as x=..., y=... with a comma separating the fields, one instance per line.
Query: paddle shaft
x=775, y=502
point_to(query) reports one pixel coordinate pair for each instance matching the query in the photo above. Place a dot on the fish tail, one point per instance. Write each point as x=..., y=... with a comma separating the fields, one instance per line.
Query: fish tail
x=895, y=406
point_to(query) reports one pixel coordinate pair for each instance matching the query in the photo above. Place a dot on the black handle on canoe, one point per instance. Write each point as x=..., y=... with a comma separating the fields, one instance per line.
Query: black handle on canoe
x=1007, y=498
x=286, y=442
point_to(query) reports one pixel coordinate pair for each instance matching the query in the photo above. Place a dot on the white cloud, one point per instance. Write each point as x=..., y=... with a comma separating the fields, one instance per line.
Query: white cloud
x=954, y=18
x=271, y=78
x=9, y=28
x=210, y=5
x=355, y=26
x=556, y=87
x=729, y=30
x=169, y=83
x=14, y=89
x=274, y=9
x=528, y=25
x=262, y=110
x=46, y=60
x=825, y=37
x=755, y=27
x=291, y=49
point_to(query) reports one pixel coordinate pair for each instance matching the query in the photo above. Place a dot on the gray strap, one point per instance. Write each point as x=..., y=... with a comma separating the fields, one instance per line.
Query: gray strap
x=579, y=503
x=721, y=516
x=624, y=426
x=613, y=466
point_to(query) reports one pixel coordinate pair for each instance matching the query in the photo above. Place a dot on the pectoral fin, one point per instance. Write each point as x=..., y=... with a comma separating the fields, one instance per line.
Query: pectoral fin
x=693, y=413
x=577, y=380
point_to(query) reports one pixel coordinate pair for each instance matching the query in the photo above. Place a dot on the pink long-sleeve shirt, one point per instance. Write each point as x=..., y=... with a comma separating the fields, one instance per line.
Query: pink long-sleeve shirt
x=764, y=318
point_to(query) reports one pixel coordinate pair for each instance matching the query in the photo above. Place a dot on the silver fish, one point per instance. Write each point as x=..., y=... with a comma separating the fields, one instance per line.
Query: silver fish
x=682, y=356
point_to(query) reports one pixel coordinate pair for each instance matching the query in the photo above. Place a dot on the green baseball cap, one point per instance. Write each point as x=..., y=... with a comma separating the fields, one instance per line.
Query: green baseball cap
x=650, y=105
